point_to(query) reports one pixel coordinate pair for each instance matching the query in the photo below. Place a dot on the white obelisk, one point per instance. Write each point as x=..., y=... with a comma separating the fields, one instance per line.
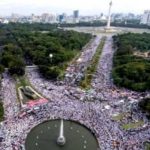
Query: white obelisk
x=109, y=16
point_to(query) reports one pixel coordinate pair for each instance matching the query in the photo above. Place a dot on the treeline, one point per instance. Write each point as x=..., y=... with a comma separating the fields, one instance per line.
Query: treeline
x=27, y=26
x=129, y=24
x=47, y=26
x=25, y=44
x=129, y=70
x=84, y=24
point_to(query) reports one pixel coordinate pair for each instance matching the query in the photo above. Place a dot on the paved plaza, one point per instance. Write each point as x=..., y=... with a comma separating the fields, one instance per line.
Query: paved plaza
x=94, y=108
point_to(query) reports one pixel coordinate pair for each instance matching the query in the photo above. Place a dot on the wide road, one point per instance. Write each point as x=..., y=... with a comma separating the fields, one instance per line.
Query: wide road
x=75, y=71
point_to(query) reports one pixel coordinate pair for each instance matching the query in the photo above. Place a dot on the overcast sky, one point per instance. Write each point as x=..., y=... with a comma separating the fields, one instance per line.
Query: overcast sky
x=86, y=7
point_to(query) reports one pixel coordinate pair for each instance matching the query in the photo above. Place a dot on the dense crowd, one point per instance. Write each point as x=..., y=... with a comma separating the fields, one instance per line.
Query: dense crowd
x=93, y=108
x=75, y=71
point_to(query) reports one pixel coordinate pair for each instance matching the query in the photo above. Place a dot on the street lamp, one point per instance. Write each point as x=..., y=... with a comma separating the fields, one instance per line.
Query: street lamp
x=51, y=56
x=79, y=60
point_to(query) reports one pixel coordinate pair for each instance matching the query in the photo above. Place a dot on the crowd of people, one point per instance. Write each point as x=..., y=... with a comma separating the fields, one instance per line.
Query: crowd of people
x=75, y=71
x=93, y=108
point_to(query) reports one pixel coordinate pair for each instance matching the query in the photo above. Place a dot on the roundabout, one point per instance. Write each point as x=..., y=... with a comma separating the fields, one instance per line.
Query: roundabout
x=72, y=136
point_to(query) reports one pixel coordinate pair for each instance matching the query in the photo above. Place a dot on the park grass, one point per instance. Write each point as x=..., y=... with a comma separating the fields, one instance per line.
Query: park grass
x=1, y=112
x=147, y=146
x=21, y=81
x=132, y=125
x=119, y=117
x=85, y=83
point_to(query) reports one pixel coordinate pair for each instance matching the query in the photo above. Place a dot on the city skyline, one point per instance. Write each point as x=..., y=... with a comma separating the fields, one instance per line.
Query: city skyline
x=94, y=7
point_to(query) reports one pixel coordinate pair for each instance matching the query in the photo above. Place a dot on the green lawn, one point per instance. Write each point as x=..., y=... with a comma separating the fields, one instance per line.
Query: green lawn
x=21, y=81
x=119, y=117
x=132, y=125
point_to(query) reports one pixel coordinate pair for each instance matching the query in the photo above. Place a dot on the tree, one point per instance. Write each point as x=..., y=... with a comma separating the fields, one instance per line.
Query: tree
x=1, y=69
x=6, y=59
x=29, y=45
x=144, y=104
x=17, y=67
x=129, y=70
x=50, y=72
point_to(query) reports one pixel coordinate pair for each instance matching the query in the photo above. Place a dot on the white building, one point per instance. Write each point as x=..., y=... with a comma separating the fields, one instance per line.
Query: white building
x=45, y=18
x=69, y=19
x=5, y=21
x=146, y=17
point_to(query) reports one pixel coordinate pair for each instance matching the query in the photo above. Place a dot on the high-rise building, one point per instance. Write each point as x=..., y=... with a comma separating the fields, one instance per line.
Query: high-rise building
x=45, y=17
x=62, y=18
x=146, y=18
x=14, y=17
x=52, y=18
x=75, y=14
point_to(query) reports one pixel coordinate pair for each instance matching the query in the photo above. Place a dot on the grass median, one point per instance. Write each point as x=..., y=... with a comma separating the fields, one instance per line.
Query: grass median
x=1, y=111
x=133, y=125
x=91, y=69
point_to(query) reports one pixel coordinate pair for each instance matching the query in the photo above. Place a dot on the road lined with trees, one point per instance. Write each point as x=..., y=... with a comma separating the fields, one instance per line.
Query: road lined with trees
x=91, y=69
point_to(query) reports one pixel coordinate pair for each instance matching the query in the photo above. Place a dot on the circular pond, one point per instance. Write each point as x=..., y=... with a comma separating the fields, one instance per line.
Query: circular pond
x=44, y=137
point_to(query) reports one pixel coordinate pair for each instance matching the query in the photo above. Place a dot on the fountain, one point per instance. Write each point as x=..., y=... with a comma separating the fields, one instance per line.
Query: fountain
x=61, y=139
x=52, y=135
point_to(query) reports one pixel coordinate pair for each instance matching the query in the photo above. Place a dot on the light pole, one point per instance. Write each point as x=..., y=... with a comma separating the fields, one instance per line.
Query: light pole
x=51, y=57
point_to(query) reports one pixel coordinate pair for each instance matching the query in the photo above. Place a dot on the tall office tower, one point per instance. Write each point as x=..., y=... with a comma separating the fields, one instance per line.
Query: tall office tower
x=52, y=18
x=45, y=17
x=62, y=18
x=146, y=18
x=75, y=14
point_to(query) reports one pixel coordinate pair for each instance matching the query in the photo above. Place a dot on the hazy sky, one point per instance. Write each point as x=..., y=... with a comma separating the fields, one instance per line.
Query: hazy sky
x=86, y=7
